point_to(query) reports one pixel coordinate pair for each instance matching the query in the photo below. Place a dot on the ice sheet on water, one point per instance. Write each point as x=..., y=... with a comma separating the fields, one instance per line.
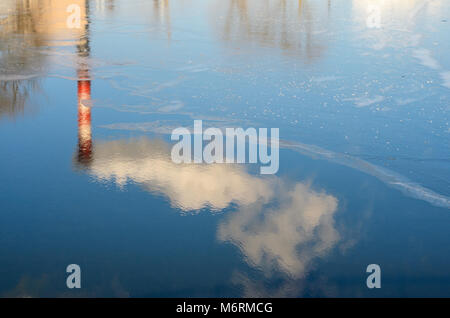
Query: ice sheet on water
x=17, y=77
x=389, y=177
x=446, y=79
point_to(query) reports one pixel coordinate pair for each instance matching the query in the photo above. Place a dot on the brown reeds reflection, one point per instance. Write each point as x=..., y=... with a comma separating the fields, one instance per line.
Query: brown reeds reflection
x=295, y=27
x=161, y=16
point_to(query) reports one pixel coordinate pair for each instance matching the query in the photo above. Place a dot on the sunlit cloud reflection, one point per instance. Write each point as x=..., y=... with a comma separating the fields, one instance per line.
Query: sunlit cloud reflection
x=189, y=187
x=278, y=226
x=286, y=237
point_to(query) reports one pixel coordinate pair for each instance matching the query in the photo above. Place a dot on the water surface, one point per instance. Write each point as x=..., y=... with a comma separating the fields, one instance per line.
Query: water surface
x=86, y=114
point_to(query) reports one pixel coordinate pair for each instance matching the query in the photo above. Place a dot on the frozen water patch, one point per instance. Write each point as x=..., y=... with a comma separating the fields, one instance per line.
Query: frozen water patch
x=425, y=58
x=70, y=78
x=194, y=68
x=147, y=90
x=173, y=106
x=168, y=84
x=154, y=127
x=406, y=101
x=330, y=78
x=389, y=177
x=365, y=101
x=17, y=77
x=86, y=102
x=446, y=78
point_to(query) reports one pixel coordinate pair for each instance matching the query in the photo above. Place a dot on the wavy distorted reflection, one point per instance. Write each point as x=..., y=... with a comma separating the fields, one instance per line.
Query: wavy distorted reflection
x=161, y=16
x=188, y=186
x=24, y=26
x=286, y=237
x=283, y=241
x=279, y=226
x=400, y=25
x=295, y=27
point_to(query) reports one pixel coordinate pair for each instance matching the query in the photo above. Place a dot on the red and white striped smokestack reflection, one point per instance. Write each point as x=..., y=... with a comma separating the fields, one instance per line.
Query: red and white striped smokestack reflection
x=84, y=120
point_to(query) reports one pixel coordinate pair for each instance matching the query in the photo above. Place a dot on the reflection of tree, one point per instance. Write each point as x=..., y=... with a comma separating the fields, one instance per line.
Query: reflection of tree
x=161, y=15
x=101, y=5
x=279, y=23
x=14, y=95
x=18, y=63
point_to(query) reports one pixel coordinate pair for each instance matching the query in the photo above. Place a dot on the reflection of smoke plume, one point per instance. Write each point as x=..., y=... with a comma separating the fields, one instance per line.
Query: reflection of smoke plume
x=286, y=237
x=189, y=187
x=277, y=226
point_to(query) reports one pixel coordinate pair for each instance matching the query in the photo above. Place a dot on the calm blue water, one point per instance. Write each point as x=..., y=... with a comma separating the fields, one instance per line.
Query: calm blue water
x=360, y=92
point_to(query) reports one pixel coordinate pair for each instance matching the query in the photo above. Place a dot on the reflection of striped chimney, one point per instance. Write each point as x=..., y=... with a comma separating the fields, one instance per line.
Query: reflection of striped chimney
x=84, y=119
x=84, y=96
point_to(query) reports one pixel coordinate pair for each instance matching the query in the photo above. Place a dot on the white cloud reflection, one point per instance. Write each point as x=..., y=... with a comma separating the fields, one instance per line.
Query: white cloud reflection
x=189, y=187
x=286, y=237
x=278, y=226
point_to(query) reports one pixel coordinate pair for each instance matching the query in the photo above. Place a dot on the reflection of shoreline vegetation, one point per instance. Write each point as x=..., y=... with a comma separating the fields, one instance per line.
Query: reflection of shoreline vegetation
x=14, y=96
x=17, y=35
x=288, y=26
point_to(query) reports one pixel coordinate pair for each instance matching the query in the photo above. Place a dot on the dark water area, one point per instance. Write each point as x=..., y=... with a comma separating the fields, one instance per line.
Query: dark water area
x=358, y=89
